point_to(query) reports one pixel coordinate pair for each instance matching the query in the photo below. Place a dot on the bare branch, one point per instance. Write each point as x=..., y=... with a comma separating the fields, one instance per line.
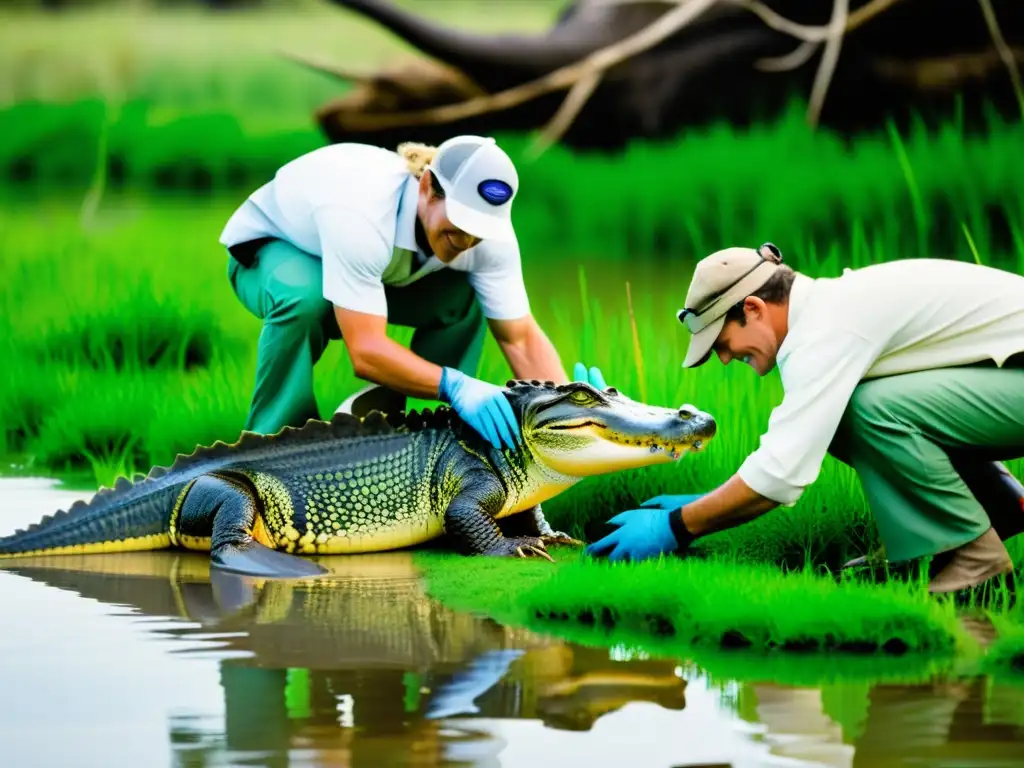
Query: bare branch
x=943, y=72
x=326, y=67
x=570, y=108
x=568, y=76
x=813, y=34
x=593, y=70
x=828, y=60
x=1004, y=50
x=800, y=55
x=560, y=79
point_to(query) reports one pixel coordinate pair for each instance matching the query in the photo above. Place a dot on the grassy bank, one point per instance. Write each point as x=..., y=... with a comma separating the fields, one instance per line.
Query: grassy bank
x=698, y=606
x=1006, y=655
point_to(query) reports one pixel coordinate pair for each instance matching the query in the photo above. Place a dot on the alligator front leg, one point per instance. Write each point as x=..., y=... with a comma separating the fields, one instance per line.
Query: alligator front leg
x=531, y=522
x=220, y=512
x=547, y=535
x=469, y=521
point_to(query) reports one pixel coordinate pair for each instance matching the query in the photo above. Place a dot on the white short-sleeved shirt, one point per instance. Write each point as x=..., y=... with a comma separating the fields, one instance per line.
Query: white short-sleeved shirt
x=892, y=318
x=354, y=206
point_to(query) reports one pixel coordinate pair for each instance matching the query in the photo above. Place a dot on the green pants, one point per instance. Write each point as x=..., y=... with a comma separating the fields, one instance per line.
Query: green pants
x=284, y=288
x=914, y=438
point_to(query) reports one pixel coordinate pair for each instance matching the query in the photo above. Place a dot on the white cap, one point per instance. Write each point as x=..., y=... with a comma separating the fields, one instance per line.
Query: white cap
x=479, y=182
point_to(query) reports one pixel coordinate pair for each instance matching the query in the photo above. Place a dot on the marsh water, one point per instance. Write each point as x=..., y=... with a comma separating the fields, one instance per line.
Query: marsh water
x=145, y=659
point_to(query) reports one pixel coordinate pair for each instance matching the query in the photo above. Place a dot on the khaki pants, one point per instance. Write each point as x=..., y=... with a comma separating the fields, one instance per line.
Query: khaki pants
x=920, y=441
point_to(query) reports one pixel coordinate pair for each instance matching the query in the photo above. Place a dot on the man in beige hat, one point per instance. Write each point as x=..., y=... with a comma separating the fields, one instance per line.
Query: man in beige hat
x=910, y=371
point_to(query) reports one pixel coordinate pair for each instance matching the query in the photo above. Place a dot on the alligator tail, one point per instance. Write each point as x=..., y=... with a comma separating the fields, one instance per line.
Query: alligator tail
x=135, y=515
x=130, y=517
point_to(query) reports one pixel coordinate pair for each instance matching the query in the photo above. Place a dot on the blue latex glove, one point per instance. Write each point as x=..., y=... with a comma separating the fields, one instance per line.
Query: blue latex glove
x=592, y=377
x=483, y=406
x=643, y=533
x=669, y=502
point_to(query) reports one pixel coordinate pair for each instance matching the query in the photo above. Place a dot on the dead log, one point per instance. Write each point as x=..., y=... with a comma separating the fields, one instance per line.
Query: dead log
x=647, y=69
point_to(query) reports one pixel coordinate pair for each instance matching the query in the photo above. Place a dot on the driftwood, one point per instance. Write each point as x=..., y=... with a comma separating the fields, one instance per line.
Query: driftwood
x=613, y=70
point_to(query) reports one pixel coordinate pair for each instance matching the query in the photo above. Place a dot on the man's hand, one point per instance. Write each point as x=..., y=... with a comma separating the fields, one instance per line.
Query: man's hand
x=592, y=376
x=483, y=406
x=670, y=523
x=644, y=533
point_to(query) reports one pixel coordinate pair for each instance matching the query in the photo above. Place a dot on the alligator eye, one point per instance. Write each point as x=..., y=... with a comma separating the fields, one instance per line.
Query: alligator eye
x=580, y=397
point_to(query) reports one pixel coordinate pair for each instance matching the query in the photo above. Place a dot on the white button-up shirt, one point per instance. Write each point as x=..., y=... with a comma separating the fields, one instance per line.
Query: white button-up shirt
x=354, y=207
x=890, y=318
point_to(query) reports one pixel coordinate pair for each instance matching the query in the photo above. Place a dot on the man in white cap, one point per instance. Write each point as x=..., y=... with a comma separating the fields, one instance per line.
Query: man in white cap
x=349, y=238
x=911, y=372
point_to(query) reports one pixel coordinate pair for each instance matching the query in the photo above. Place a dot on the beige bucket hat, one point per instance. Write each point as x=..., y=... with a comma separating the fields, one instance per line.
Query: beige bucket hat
x=719, y=281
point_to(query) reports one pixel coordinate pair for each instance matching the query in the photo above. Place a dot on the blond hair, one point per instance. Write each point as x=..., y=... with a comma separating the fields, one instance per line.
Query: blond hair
x=416, y=156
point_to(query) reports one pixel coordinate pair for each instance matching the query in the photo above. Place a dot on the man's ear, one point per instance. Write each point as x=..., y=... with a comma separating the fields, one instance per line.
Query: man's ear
x=755, y=308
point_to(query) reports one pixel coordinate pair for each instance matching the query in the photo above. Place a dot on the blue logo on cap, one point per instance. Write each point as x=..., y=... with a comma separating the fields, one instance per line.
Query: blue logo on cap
x=494, y=191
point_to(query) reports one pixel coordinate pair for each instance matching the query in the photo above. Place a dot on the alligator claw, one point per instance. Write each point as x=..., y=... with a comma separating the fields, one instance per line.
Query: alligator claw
x=558, y=537
x=520, y=546
x=540, y=552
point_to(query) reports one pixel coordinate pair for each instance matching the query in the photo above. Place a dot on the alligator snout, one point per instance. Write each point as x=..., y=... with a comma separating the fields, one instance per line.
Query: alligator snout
x=702, y=423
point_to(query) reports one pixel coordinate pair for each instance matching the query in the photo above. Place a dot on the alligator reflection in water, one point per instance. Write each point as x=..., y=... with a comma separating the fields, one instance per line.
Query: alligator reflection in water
x=364, y=648
x=363, y=669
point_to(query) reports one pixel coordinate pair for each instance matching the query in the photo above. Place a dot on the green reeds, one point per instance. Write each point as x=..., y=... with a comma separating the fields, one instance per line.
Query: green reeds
x=694, y=605
x=1005, y=656
x=904, y=196
x=125, y=343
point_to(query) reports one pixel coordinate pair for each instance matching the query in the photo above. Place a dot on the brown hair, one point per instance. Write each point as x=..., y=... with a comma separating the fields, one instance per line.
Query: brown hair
x=774, y=291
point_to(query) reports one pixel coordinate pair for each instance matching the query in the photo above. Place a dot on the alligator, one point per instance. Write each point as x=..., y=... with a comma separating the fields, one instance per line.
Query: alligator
x=384, y=481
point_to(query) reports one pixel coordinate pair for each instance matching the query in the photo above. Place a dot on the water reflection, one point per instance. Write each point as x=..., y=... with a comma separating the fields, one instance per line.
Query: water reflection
x=363, y=670
x=354, y=665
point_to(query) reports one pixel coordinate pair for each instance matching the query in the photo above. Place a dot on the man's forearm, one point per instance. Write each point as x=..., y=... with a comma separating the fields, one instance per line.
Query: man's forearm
x=534, y=357
x=729, y=505
x=387, y=362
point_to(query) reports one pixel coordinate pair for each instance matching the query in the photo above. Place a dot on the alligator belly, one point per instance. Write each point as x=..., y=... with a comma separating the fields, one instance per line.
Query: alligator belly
x=316, y=539
x=396, y=534
x=358, y=509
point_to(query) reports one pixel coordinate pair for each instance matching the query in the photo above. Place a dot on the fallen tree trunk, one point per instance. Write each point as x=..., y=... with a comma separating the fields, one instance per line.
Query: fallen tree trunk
x=610, y=71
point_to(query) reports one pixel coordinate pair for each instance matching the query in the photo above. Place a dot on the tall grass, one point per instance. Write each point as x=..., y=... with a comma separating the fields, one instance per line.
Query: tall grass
x=692, y=605
x=124, y=345
x=883, y=196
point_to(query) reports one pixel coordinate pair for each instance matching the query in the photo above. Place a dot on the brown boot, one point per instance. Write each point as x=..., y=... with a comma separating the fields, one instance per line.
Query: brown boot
x=972, y=564
x=996, y=489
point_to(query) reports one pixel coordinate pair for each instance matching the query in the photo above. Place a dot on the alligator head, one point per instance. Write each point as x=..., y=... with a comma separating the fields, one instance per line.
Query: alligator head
x=577, y=430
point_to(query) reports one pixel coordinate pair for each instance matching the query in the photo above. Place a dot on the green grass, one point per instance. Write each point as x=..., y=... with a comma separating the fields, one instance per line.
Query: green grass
x=188, y=98
x=187, y=368
x=674, y=606
x=1005, y=656
x=930, y=192
x=195, y=59
x=123, y=345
